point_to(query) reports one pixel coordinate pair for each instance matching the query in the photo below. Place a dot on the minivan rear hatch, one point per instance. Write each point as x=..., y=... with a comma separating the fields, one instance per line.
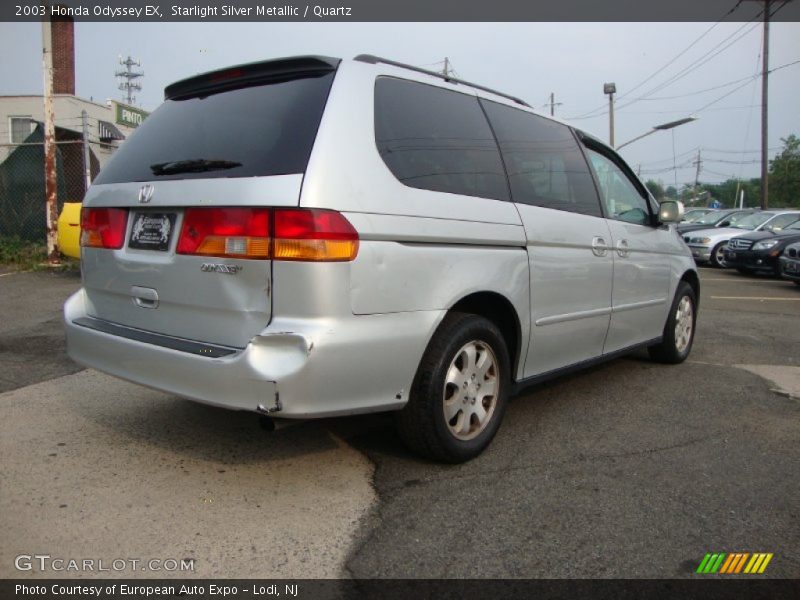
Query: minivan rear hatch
x=191, y=194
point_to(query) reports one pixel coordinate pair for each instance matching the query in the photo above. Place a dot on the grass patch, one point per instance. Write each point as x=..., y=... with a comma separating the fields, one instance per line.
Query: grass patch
x=24, y=255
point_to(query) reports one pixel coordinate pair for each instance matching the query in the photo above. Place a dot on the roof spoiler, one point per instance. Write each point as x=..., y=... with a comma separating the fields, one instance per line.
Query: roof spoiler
x=369, y=58
x=250, y=74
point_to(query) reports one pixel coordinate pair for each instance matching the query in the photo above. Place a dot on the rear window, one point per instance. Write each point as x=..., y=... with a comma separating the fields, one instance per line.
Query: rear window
x=267, y=129
x=438, y=140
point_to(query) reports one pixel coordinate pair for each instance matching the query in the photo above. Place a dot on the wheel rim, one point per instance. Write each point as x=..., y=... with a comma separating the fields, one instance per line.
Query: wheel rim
x=720, y=255
x=684, y=324
x=470, y=390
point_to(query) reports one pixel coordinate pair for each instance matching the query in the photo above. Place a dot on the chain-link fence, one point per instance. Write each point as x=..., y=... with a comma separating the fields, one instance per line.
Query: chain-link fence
x=22, y=181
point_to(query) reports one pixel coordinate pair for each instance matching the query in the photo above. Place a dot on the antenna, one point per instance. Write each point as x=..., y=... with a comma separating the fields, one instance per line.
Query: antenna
x=128, y=86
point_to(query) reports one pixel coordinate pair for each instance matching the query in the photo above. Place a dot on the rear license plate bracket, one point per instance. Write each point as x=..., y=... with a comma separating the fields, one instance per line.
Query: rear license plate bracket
x=152, y=231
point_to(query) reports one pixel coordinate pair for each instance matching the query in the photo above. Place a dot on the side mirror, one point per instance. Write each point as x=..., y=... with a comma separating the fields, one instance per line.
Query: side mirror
x=724, y=224
x=670, y=211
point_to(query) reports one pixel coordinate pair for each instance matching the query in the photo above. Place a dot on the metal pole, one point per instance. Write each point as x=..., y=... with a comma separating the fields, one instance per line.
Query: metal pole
x=764, y=110
x=51, y=208
x=611, y=119
x=696, y=177
x=552, y=104
x=87, y=165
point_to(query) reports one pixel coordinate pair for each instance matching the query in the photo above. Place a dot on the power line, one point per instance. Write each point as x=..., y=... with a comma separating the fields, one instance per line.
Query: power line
x=699, y=62
x=670, y=62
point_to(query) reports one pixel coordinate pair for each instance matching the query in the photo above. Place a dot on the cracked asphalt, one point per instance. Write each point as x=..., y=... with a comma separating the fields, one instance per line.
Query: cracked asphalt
x=629, y=469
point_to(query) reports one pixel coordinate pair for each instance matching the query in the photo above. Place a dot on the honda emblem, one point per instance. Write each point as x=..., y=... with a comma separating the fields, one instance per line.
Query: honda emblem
x=146, y=193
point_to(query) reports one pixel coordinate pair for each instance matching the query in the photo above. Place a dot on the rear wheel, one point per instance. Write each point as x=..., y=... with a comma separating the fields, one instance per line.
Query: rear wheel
x=678, y=334
x=718, y=256
x=460, y=391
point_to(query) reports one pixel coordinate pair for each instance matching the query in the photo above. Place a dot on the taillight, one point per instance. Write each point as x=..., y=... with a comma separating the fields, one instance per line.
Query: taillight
x=313, y=235
x=230, y=232
x=296, y=234
x=103, y=227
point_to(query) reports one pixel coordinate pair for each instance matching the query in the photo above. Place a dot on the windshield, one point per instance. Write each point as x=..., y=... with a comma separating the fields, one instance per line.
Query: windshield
x=752, y=221
x=266, y=129
x=694, y=215
x=711, y=218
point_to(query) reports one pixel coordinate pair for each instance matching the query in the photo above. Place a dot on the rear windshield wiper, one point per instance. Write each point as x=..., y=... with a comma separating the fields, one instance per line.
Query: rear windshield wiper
x=195, y=165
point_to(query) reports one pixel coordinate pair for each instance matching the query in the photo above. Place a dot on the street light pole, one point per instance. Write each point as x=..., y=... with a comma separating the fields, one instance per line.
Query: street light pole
x=610, y=89
x=662, y=127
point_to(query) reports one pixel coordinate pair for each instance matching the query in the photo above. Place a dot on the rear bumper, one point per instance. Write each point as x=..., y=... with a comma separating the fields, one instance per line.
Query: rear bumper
x=296, y=368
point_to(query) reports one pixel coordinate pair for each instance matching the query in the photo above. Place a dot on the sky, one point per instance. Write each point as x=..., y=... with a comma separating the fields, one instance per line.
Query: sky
x=662, y=72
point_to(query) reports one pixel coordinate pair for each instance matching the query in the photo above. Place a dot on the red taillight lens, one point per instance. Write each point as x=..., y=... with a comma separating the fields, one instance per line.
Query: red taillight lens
x=313, y=235
x=297, y=234
x=231, y=232
x=103, y=227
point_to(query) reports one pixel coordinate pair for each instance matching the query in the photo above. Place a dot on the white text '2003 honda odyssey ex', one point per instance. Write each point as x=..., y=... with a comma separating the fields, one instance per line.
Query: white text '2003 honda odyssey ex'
x=309, y=237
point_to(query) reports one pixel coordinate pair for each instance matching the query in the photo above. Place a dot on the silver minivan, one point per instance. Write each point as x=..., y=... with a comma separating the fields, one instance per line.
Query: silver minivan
x=310, y=237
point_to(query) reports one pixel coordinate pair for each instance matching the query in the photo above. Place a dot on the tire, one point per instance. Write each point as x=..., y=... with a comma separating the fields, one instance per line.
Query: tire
x=448, y=382
x=676, y=343
x=718, y=256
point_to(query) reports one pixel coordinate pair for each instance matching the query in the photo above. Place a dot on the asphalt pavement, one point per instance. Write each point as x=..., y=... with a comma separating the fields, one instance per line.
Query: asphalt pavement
x=629, y=469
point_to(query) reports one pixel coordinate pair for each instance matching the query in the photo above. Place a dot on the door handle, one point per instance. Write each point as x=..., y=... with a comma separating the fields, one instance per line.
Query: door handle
x=599, y=246
x=144, y=297
x=623, y=249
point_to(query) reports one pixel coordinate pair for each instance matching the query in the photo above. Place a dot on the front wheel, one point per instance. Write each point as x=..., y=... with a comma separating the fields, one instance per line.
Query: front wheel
x=676, y=342
x=718, y=256
x=460, y=391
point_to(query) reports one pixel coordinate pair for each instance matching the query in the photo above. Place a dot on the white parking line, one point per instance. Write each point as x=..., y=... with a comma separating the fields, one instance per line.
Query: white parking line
x=759, y=298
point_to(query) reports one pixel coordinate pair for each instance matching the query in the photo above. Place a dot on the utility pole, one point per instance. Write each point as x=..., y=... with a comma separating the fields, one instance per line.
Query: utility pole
x=447, y=70
x=129, y=75
x=764, y=110
x=553, y=104
x=51, y=208
x=610, y=89
x=697, y=162
x=87, y=165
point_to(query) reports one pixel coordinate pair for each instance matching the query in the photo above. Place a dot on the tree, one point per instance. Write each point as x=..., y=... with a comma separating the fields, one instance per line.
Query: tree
x=784, y=174
x=671, y=192
x=656, y=188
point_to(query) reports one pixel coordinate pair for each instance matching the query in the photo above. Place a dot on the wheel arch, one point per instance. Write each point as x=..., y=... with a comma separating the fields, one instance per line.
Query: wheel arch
x=693, y=280
x=499, y=310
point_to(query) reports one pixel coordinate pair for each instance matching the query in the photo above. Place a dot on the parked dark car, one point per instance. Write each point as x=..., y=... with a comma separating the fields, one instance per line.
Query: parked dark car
x=758, y=252
x=790, y=263
x=717, y=218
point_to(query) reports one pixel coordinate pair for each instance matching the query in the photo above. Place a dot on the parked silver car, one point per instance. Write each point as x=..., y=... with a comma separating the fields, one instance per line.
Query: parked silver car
x=708, y=245
x=309, y=237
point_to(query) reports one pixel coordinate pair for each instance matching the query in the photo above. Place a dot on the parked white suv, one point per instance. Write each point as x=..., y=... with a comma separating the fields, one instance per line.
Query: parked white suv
x=308, y=237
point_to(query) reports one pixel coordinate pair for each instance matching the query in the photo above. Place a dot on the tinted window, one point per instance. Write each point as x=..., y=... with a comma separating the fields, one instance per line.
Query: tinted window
x=622, y=199
x=438, y=140
x=545, y=165
x=261, y=130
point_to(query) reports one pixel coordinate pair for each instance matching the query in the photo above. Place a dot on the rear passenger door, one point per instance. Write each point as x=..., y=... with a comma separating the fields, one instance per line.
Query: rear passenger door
x=568, y=240
x=641, y=254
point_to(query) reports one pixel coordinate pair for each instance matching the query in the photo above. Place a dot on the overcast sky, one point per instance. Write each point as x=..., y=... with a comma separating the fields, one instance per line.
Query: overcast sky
x=529, y=60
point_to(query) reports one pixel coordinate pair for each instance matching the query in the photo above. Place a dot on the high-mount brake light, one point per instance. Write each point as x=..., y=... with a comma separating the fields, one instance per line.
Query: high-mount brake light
x=313, y=235
x=103, y=227
x=227, y=232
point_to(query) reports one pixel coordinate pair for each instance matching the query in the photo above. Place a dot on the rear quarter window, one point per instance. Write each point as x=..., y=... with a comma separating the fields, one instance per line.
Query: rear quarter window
x=435, y=139
x=265, y=129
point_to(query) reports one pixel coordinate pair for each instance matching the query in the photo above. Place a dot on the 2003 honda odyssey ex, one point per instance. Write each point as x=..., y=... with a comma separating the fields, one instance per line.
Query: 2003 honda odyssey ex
x=309, y=237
